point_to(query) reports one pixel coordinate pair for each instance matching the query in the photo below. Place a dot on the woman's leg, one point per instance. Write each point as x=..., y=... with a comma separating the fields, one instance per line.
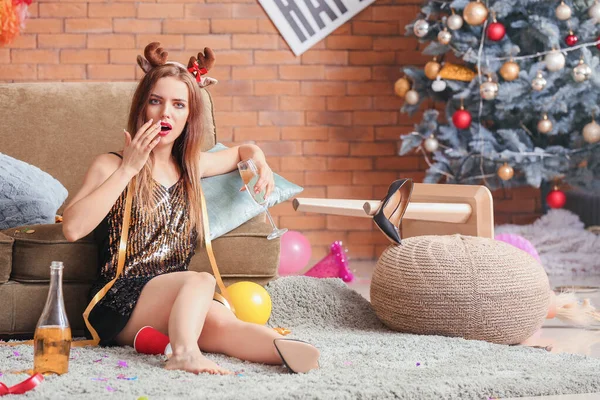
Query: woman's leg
x=224, y=333
x=176, y=304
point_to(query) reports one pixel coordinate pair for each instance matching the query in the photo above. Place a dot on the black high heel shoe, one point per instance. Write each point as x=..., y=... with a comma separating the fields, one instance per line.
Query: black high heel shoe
x=297, y=356
x=389, y=215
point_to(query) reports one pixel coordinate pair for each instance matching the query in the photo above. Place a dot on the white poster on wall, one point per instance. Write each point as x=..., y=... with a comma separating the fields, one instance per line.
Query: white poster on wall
x=302, y=23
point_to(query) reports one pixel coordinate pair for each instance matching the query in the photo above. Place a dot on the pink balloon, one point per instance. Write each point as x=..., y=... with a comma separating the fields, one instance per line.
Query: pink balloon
x=295, y=253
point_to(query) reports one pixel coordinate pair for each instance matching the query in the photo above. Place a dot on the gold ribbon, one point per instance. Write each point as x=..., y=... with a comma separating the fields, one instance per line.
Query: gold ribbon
x=224, y=296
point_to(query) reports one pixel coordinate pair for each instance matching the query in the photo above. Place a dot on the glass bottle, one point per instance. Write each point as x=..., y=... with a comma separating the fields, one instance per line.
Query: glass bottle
x=52, y=339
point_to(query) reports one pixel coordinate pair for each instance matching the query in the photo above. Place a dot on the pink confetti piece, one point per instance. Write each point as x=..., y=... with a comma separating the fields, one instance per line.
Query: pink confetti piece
x=110, y=389
x=122, y=376
x=1, y=374
x=100, y=379
x=98, y=360
x=16, y=354
x=418, y=364
x=123, y=364
x=347, y=362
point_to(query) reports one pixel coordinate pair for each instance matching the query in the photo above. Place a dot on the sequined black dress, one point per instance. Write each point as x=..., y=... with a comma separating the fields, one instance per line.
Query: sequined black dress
x=157, y=244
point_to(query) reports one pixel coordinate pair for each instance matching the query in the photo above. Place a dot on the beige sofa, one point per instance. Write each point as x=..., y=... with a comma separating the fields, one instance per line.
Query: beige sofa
x=59, y=128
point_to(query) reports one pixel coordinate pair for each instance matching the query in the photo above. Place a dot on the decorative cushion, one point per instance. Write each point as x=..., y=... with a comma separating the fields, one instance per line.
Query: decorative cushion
x=28, y=195
x=463, y=286
x=229, y=208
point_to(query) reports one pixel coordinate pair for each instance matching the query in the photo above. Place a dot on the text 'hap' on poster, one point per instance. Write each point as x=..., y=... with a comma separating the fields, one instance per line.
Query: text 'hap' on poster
x=305, y=16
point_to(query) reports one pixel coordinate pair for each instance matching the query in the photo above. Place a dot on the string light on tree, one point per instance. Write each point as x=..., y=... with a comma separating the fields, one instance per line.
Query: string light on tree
x=455, y=21
x=510, y=71
x=431, y=144
x=539, y=82
x=421, y=28
x=475, y=13
x=563, y=11
x=544, y=125
x=506, y=172
x=582, y=71
x=556, y=198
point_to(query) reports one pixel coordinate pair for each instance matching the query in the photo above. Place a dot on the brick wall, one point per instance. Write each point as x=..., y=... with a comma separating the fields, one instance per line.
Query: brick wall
x=327, y=120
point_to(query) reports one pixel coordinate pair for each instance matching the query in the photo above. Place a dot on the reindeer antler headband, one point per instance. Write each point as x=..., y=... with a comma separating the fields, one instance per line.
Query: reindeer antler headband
x=197, y=66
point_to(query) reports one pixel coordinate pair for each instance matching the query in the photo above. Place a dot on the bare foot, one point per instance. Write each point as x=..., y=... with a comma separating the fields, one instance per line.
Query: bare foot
x=196, y=363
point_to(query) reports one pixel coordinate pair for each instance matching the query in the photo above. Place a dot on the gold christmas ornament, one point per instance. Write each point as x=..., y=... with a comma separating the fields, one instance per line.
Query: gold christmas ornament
x=506, y=172
x=431, y=144
x=454, y=22
x=563, y=11
x=412, y=97
x=444, y=36
x=544, y=125
x=555, y=61
x=432, y=69
x=456, y=73
x=401, y=86
x=582, y=72
x=510, y=71
x=591, y=132
x=475, y=13
x=539, y=83
x=489, y=90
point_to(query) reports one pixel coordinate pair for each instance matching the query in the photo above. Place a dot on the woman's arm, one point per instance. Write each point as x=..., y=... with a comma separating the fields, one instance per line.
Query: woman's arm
x=104, y=182
x=222, y=162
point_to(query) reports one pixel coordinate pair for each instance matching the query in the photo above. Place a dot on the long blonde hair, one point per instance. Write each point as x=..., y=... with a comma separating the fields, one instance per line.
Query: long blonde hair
x=186, y=149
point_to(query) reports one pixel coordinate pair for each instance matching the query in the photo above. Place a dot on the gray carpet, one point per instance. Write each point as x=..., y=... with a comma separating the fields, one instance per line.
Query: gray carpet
x=361, y=359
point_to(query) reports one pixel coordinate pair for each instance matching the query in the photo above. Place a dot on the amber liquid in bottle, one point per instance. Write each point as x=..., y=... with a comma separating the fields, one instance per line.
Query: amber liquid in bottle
x=52, y=346
x=52, y=338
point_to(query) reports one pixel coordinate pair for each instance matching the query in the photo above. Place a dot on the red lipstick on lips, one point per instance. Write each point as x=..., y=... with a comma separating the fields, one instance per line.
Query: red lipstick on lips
x=165, y=128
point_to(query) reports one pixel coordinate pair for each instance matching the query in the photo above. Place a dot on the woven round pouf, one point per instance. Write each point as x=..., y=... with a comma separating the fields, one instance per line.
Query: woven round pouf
x=461, y=286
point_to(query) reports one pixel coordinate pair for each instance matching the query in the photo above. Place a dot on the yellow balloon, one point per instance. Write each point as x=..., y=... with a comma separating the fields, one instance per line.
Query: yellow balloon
x=251, y=301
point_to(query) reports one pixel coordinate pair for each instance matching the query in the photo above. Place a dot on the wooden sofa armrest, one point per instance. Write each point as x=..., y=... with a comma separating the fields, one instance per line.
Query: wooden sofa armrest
x=435, y=209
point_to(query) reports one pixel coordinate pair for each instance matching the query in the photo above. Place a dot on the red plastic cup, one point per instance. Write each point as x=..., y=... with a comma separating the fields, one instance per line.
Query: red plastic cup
x=151, y=341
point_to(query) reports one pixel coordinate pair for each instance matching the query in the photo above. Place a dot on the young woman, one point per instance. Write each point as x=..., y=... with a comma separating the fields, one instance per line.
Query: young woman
x=162, y=150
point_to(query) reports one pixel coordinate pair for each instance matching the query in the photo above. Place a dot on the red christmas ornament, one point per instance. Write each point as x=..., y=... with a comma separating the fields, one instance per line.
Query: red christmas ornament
x=496, y=31
x=462, y=119
x=571, y=40
x=556, y=198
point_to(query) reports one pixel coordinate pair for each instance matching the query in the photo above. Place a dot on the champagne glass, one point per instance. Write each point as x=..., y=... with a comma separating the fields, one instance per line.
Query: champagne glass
x=249, y=174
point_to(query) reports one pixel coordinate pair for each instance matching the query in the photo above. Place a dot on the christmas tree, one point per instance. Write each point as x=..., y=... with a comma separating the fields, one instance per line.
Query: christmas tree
x=521, y=86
